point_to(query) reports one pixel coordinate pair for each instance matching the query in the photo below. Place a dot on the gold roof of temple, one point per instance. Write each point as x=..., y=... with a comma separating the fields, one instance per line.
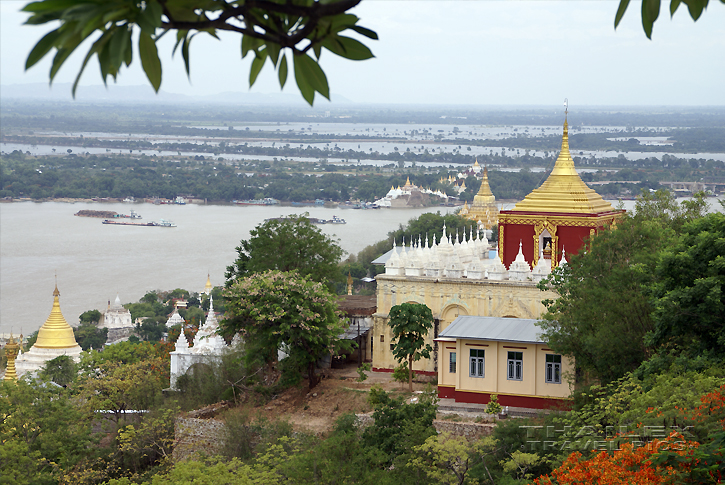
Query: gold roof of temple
x=55, y=332
x=564, y=190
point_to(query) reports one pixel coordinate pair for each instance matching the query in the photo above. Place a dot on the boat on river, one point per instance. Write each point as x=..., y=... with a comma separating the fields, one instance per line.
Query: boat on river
x=161, y=223
x=265, y=201
x=336, y=220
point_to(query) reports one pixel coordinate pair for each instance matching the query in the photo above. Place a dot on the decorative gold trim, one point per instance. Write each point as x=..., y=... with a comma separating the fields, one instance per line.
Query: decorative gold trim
x=500, y=241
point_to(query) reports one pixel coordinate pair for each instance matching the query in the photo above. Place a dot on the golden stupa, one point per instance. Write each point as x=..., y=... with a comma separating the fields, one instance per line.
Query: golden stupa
x=564, y=191
x=484, y=206
x=208, y=287
x=55, y=332
x=11, y=351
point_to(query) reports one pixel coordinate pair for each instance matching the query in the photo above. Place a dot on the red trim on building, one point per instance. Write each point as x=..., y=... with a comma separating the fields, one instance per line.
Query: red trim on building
x=532, y=402
x=420, y=372
x=446, y=392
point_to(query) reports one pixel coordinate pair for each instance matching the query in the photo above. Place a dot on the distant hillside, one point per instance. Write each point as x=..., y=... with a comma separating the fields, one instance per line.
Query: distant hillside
x=125, y=94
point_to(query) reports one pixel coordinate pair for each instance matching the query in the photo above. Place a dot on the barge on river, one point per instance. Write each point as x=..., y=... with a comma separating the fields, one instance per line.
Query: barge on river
x=161, y=223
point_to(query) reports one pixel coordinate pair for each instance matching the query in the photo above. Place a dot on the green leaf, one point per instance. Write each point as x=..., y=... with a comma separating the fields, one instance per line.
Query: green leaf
x=347, y=48
x=128, y=51
x=63, y=52
x=696, y=7
x=674, y=4
x=250, y=43
x=273, y=50
x=310, y=78
x=623, y=4
x=257, y=64
x=149, y=19
x=150, y=59
x=369, y=33
x=49, y=5
x=185, y=54
x=650, y=12
x=90, y=53
x=117, y=46
x=282, y=71
x=42, y=47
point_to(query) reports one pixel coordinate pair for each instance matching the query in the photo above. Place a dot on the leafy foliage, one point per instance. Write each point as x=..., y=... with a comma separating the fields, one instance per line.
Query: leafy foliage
x=690, y=289
x=398, y=427
x=41, y=430
x=410, y=324
x=117, y=388
x=275, y=309
x=292, y=243
x=605, y=308
x=267, y=30
x=89, y=336
x=651, y=10
x=61, y=370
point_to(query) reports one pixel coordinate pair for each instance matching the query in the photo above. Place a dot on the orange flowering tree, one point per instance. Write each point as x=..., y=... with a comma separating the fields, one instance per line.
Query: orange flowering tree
x=674, y=459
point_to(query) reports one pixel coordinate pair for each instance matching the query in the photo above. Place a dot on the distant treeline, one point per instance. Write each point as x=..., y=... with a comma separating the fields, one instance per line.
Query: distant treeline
x=138, y=117
x=121, y=176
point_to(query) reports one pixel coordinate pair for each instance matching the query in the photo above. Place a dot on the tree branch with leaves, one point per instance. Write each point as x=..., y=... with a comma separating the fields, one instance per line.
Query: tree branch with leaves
x=269, y=29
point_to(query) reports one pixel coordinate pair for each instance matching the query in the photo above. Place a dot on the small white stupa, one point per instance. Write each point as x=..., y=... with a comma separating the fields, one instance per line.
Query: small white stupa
x=117, y=320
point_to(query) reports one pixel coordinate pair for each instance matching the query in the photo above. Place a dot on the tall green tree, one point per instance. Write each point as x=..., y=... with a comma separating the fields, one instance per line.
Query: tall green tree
x=410, y=323
x=690, y=290
x=89, y=336
x=283, y=310
x=42, y=430
x=605, y=309
x=292, y=243
x=61, y=370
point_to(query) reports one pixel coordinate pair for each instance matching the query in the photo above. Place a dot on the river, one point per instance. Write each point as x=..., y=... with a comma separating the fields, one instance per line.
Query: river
x=94, y=262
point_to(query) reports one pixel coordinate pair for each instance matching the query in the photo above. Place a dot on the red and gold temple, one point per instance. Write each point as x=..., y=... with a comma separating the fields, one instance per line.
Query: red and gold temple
x=556, y=218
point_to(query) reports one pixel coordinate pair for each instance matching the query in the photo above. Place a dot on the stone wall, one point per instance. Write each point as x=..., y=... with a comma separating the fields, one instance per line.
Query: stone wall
x=206, y=436
x=197, y=436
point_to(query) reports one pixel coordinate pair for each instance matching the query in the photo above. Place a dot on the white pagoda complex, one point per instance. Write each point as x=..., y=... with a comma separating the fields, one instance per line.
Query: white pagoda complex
x=207, y=348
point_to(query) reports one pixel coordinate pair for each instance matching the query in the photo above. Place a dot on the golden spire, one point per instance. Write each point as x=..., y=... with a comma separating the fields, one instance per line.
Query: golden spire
x=564, y=190
x=55, y=332
x=485, y=189
x=476, y=163
x=208, y=283
x=407, y=182
x=349, y=283
x=11, y=351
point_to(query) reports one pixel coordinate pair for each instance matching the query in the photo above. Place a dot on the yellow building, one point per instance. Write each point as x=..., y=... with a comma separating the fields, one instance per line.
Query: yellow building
x=484, y=209
x=481, y=356
x=55, y=338
x=453, y=278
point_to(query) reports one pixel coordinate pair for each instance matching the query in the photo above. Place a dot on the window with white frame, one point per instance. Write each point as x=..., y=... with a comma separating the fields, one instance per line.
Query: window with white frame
x=478, y=363
x=452, y=362
x=553, y=368
x=515, y=366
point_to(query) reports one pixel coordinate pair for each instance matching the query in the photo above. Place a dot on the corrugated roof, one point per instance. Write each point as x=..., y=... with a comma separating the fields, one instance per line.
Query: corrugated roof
x=385, y=257
x=494, y=328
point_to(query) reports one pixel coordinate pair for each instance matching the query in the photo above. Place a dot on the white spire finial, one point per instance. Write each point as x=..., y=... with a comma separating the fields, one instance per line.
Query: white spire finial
x=444, y=231
x=211, y=303
x=563, y=257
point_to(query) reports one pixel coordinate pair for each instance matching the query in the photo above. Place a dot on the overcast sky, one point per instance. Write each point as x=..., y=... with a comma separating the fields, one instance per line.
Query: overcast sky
x=457, y=52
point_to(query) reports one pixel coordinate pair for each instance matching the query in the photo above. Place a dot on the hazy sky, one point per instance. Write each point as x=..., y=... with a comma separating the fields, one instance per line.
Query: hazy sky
x=458, y=52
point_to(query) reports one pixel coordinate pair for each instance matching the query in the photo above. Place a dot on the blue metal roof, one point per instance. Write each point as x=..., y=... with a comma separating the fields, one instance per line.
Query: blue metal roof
x=501, y=329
